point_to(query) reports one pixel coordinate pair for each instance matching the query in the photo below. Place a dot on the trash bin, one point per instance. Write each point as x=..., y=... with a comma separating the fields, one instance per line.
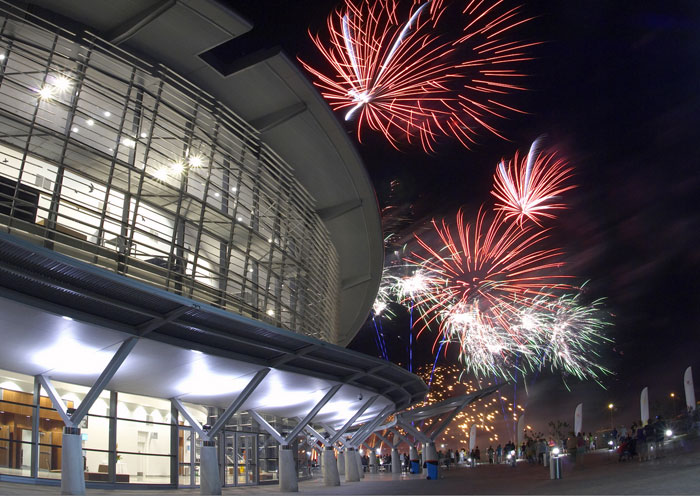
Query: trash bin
x=415, y=466
x=432, y=466
x=555, y=467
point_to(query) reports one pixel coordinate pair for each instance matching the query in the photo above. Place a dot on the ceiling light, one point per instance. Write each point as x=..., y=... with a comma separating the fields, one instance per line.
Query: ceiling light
x=239, y=218
x=177, y=167
x=46, y=92
x=195, y=161
x=107, y=113
x=217, y=194
x=62, y=83
x=161, y=174
x=271, y=312
x=2, y=56
x=234, y=189
x=74, y=129
x=90, y=122
x=66, y=317
x=144, y=135
x=128, y=142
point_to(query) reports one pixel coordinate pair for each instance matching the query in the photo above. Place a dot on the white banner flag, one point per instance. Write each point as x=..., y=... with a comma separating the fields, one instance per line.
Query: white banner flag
x=521, y=429
x=472, y=437
x=644, y=405
x=689, y=389
x=578, y=419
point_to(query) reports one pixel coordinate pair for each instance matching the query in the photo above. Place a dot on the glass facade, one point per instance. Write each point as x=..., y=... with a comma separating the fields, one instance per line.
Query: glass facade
x=124, y=165
x=131, y=439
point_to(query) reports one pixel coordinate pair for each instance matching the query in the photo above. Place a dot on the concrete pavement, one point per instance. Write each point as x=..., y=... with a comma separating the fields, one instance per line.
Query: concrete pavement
x=599, y=473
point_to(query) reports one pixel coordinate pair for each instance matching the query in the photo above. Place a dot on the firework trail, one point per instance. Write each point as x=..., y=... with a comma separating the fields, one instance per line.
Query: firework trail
x=397, y=69
x=528, y=187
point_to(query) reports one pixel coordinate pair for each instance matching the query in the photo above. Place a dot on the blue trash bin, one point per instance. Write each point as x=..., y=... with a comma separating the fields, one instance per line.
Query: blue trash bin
x=432, y=467
x=415, y=466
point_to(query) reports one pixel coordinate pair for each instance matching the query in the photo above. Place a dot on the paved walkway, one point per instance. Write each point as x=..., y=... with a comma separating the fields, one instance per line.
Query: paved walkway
x=599, y=473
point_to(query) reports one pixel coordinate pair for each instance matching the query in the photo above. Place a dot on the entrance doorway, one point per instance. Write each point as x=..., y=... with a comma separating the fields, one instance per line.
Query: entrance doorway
x=188, y=457
x=241, y=458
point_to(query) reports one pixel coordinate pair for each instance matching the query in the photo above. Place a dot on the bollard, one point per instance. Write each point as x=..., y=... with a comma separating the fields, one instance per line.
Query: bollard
x=555, y=465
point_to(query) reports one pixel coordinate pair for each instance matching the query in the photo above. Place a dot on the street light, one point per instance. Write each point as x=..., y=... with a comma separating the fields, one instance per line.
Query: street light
x=610, y=407
x=675, y=410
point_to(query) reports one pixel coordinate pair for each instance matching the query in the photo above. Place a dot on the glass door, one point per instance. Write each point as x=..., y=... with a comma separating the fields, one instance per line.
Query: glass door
x=186, y=457
x=246, y=459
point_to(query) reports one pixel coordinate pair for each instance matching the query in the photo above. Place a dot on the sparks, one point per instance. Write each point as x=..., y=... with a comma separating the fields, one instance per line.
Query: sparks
x=396, y=68
x=529, y=187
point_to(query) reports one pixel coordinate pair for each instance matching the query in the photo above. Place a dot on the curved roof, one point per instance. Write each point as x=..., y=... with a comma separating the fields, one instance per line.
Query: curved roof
x=62, y=285
x=268, y=90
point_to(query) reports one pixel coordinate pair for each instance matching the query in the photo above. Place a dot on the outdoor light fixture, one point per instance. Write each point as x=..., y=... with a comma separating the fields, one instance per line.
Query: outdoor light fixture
x=555, y=451
x=669, y=433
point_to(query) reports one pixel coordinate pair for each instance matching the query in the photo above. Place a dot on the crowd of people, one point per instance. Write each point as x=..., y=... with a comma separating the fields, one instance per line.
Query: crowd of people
x=636, y=442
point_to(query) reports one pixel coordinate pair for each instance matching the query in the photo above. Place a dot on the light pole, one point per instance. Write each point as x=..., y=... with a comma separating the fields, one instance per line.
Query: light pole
x=611, y=407
x=675, y=410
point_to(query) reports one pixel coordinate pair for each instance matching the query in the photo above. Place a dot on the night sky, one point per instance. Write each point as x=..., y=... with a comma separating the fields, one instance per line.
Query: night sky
x=615, y=88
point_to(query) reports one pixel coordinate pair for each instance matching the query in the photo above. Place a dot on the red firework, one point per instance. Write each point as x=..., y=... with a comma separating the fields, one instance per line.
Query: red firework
x=394, y=71
x=529, y=187
x=490, y=268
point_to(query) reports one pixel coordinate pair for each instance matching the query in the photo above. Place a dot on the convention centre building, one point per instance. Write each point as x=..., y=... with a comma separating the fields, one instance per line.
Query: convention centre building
x=186, y=249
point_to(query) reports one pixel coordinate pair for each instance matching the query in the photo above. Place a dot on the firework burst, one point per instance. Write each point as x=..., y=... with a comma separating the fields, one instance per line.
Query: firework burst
x=571, y=332
x=528, y=187
x=397, y=70
x=484, y=270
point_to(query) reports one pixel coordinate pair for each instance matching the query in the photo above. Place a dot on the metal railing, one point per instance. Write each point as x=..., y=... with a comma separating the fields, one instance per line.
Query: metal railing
x=113, y=161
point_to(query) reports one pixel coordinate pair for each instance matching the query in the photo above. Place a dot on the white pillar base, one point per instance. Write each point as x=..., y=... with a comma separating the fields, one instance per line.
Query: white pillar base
x=210, y=483
x=430, y=453
x=72, y=464
x=288, y=471
x=330, y=468
x=413, y=455
x=341, y=463
x=395, y=463
x=351, y=473
x=372, y=462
